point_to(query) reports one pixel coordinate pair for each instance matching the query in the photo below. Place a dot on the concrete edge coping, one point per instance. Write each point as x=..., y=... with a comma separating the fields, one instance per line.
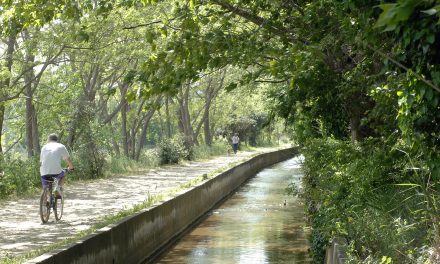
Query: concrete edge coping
x=335, y=253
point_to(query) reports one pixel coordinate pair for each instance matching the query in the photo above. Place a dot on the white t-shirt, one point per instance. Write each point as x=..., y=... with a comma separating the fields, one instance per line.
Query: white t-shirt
x=50, y=158
x=235, y=139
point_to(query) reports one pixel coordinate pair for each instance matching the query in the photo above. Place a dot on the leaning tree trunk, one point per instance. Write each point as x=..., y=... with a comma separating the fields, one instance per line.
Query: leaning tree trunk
x=207, y=129
x=210, y=95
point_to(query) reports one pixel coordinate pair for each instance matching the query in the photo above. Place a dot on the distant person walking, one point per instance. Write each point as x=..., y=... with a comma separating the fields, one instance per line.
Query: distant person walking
x=235, y=141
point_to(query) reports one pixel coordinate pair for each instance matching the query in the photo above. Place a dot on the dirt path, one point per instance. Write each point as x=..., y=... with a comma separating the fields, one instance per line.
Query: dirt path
x=21, y=229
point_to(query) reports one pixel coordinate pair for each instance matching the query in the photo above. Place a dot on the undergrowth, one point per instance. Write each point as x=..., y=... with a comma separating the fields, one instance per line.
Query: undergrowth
x=375, y=197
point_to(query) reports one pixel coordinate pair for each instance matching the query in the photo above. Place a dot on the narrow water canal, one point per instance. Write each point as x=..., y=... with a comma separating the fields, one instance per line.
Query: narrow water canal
x=255, y=225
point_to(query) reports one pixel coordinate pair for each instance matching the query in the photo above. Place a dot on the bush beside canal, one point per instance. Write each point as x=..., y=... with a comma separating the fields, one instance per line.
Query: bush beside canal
x=373, y=196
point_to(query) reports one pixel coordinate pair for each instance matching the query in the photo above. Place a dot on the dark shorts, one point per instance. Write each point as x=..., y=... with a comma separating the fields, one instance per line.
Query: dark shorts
x=46, y=179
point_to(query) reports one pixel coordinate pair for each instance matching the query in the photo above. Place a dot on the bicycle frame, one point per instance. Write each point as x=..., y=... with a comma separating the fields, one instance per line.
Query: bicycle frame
x=49, y=201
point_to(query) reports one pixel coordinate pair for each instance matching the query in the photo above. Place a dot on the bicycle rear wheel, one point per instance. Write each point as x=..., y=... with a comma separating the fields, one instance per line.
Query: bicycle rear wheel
x=58, y=207
x=45, y=205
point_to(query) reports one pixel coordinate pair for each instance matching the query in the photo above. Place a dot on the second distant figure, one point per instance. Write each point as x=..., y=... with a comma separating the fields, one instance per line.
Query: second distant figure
x=235, y=141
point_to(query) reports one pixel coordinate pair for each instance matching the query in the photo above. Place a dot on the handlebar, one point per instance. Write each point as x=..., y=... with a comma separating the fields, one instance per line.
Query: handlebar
x=68, y=170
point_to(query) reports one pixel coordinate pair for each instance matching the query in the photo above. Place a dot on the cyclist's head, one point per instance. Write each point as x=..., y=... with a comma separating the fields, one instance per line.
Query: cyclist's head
x=52, y=137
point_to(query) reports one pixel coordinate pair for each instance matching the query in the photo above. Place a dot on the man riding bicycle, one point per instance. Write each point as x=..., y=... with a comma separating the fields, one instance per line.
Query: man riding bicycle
x=51, y=155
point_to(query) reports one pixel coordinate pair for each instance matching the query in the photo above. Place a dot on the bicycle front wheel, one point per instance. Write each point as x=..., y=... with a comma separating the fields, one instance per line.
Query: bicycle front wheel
x=45, y=205
x=58, y=208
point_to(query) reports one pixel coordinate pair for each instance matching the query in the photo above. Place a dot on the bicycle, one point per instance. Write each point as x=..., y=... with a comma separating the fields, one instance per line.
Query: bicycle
x=49, y=200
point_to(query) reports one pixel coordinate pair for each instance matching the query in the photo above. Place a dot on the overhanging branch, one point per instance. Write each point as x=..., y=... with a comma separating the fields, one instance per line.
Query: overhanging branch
x=271, y=81
x=400, y=65
x=143, y=25
x=277, y=29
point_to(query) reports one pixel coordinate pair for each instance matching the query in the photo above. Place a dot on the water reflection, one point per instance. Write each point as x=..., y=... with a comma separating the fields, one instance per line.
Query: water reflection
x=258, y=224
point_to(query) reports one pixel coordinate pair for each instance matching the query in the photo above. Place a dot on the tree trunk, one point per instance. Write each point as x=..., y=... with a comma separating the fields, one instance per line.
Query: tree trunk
x=36, y=134
x=184, y=116
x=167, y=102
x=107, y=120
x=4, y=88
x=85, y=114
x=123, y=87
x=210, y=94
x=207, y=129
x=29, y=115
x=2, y=119
x=354, y=109
x=132, y=141
x=180, y=120
x=32, y=136
x=143, y=134
x=212, y=122
x=124, y=129
x=114, y=142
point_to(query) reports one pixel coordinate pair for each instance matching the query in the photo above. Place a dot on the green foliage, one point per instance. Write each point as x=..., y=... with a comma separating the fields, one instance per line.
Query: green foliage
x=121, y=164
x=88, y=145
x=413, y=30
x=249, y=127
x=393, y=14
x=371, y=195
x=216, y=149
x=89, y=163
x=331, y=69
x=173, y=150
x=20, y=176
x=314, y=102
x=319, y=243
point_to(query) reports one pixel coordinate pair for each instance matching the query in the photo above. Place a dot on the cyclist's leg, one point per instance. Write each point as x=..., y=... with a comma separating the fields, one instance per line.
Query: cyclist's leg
x=59, y=201
x=60, y=178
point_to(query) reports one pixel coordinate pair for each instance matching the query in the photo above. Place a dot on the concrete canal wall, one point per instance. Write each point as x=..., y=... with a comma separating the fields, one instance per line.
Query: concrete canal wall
x=335, y=253
x=138, y=238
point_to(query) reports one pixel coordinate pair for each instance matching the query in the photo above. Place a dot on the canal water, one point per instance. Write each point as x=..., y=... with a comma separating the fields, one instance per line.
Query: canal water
x=260, y=223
